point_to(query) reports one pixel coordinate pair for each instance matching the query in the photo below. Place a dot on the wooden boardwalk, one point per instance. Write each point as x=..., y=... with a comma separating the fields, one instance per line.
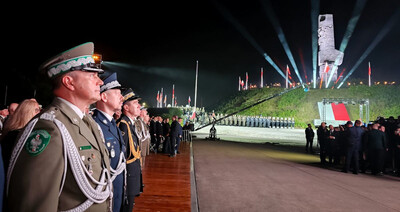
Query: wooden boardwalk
x=167, y=182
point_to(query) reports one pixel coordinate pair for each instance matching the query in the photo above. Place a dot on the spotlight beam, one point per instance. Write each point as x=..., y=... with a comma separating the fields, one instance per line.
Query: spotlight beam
x=314, y=37
x=349, y=32
x=228, y=16
x=384, y=31
x=275, y=23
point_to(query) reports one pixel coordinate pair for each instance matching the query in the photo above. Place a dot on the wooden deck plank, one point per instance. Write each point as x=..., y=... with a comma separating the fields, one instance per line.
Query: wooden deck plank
x=167, y=182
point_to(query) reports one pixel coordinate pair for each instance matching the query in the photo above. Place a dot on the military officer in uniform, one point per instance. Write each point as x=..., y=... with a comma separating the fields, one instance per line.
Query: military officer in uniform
x=130, y=110
x=273, y=122
x=292, y=122
x=262, y=121
x=146, y=135
x=60, y=161
x=268, y=122
x=285, y=123
x=111, y=101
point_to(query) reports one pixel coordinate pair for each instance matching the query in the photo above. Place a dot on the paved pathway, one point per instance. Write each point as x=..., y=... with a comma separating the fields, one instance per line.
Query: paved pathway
x=232, y=176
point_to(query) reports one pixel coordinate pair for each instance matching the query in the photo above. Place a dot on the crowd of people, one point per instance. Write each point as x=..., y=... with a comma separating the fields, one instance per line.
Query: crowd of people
x=166, y=137
x=354, y=146
x=84, y=151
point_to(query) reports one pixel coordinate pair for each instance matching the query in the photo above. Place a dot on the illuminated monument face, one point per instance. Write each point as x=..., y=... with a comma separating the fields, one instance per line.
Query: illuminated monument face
x=327, y=54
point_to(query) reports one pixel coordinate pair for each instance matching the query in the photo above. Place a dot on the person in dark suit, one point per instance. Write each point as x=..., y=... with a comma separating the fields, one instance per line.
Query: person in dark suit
x=309, y=138
x=321, y=134
x=166, y=129
x=354, y=137
x=179, y=137
x=375, y=148
x=332, y=145
x=130, y=110
x=110, y=102
x=173, y=135
x=159, y=133
x=152, y=129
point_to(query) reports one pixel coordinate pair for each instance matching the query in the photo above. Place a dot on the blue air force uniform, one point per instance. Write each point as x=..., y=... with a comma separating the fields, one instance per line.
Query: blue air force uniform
x=115, y=145
x=114, y=142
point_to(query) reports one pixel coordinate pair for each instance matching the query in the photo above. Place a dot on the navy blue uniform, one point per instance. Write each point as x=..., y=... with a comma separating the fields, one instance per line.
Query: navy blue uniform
x=133, y=168
x=115, y=145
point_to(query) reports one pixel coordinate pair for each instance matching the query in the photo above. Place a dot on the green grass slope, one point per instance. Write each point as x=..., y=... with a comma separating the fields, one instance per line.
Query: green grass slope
x=384, y=101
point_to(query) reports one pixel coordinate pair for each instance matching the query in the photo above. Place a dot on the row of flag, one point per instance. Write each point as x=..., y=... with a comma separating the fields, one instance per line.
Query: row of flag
x=243, y=85
x=162, y=98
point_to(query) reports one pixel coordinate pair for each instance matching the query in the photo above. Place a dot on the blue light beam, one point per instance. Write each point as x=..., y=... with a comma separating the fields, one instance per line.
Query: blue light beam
x=384, y=31
x=314, y=37
x=227, y=15
x=275, y=23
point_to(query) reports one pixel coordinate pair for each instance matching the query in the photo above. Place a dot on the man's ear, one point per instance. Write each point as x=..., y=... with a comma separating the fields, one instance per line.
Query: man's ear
x=125, y=107
x=103, y=97
x=68, y=82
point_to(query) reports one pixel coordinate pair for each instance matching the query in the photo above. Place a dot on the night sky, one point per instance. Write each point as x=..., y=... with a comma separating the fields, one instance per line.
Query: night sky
x=156, y=44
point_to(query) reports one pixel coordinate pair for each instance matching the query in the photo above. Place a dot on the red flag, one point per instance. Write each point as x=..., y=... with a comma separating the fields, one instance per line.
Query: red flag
x=193, y=115
x=288, y=70
x=158, y=96
x=189, y=100
x=369, y=68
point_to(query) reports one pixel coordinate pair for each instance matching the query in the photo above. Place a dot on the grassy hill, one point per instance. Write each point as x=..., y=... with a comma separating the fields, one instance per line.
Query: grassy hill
x=384, y=101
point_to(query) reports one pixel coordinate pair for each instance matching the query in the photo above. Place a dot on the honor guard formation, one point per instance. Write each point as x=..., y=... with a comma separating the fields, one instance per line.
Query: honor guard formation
x=240, y=120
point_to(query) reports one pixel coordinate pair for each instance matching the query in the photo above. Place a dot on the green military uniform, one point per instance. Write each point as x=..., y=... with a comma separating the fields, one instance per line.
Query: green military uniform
x=37, y=176
x=60, y=161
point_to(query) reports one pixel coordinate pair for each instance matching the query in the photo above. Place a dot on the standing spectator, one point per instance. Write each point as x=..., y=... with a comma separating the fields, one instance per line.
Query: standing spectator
x=174, y=134
x=397, y=139
x=375, y=149
x=354, y=137
x=309, y=138
x=179, y=138
x=15, y=123
x=321, y=134
x=331, y=144
x=159, y=133
x=166, y=129
x=152, y=130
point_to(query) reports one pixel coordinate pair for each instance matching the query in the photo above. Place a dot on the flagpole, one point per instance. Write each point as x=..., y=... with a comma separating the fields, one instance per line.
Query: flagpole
x=369, y=74
x=173, y=95
x=158, y=99
x=161, y=97
x=239, y=83
x=195, y=86
x=287, y=75
x=262, y=80
x=247, y=79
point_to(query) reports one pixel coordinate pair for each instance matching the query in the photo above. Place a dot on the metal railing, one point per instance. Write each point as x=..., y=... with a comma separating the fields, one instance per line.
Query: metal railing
x=186, y=135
